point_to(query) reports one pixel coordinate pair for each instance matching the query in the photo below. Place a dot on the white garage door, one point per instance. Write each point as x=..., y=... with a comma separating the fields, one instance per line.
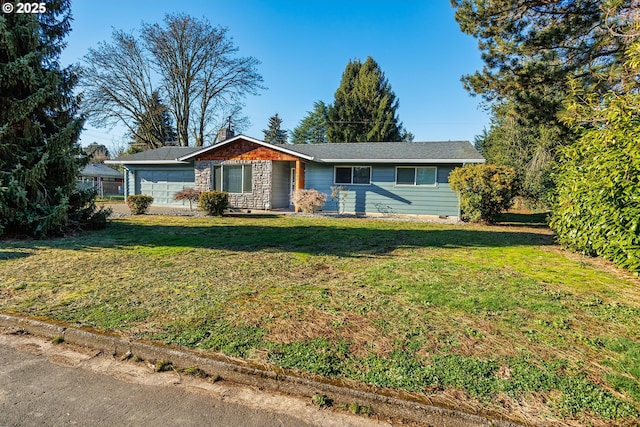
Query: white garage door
x=163, y=184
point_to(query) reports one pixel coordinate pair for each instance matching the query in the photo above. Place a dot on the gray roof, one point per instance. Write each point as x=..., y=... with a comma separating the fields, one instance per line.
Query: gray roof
x=99, y=170
x=361, y=152
x=159, y=155
x=384, y=152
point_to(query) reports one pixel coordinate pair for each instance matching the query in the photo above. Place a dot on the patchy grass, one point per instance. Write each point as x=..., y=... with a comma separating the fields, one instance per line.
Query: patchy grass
x=479, y=317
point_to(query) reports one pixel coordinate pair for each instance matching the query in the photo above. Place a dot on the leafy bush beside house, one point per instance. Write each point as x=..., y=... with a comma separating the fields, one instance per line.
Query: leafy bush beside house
x=139, y=203
x=309, y=201
x=484, y=190
x=213, y=202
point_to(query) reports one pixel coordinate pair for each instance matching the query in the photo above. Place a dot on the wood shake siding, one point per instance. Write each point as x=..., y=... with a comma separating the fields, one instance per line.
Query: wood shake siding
x=245, y=150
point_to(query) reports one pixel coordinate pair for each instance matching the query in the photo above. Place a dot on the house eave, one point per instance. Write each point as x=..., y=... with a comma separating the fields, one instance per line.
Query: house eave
x=146, y=162
x=403, y=161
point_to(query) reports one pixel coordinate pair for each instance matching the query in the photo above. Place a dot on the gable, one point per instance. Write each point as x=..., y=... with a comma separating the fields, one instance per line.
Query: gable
x=242, y=149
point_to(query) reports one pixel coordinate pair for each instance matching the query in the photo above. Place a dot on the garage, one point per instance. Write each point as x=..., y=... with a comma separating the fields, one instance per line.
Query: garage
x=162, y=184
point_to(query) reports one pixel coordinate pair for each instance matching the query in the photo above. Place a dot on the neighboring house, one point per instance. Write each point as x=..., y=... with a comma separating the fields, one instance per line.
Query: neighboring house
x=378, y=177
x=103, y=178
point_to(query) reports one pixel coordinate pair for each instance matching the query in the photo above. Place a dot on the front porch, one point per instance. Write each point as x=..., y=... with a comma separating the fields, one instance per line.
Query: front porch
x=257, y=176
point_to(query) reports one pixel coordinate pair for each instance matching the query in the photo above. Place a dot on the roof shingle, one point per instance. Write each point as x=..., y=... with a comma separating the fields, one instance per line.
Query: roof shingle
x=370, y=152
x=390, y=151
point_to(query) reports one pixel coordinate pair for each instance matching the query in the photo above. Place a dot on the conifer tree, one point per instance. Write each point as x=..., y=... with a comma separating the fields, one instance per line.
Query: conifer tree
x=275, y=135
x=96, y=153
x=364, y=109
x=313, y=128
x=155, y=127
x=531, y=50
x=39, y=128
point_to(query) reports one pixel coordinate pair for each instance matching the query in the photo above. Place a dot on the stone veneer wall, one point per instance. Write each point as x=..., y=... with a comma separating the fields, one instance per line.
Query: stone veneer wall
x=262, y=174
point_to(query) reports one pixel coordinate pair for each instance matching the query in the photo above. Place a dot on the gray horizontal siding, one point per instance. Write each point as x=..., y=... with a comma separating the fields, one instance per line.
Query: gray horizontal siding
x=281, y=183
x=384, y=196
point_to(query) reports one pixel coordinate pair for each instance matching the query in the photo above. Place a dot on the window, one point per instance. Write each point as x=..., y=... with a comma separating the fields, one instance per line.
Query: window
x=233, y=178
x=416, y=176
x=353, y=175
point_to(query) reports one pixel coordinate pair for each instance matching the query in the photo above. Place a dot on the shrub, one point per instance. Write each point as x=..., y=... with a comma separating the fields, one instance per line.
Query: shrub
x=309, y=201
x=190, y=194
x=596, y=206
x=321, y=400
x=213, y=202
x=83, y=212
x=484, y=190
x=139, y=203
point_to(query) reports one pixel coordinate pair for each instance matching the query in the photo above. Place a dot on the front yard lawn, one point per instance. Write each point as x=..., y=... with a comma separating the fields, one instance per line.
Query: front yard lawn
x=495, y=318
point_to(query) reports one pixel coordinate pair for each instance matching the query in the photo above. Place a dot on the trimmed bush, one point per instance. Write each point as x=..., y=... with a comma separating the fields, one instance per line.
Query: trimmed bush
x=484, y=191
x=309, y=201
x=139, y=203
x=213, y=202
x=190, y=194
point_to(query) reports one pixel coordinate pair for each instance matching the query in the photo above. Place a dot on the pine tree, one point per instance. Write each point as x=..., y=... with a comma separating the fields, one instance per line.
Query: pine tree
x=97, y=153
x=155, y=128
x=364, y=109
x=531, y=50
x=275, y=135
x=39, y=129
x=313, y=128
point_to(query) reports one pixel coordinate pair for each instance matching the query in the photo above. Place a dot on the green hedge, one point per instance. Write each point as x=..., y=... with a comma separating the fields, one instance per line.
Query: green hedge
x=213, y=202
x=596, y=207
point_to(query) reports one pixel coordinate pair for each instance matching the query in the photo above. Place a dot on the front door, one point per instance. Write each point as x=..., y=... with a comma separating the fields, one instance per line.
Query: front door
x=292, y=186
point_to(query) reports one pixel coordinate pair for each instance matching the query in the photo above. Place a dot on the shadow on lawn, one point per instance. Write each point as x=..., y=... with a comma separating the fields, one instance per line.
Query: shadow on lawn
x=330, y=239
x=333, y=239
x=6, y=255
x=530, y=220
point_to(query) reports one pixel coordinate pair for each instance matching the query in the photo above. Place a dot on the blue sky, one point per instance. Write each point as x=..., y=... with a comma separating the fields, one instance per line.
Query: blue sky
x=304, y=46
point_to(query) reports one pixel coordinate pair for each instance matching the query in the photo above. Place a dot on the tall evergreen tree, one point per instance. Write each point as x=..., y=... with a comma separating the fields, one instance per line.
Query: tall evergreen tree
x=155, y=127
x=529, y=149
x=313, y=127
x=365, y=107
x=275, y=135
x=531, y=48
x=96, y=153
x=39, y=128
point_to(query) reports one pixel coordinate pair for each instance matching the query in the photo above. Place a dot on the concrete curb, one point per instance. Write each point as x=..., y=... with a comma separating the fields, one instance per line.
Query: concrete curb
x=241, y=372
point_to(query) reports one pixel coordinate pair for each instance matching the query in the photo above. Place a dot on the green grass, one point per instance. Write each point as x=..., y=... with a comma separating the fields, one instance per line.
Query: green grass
x=498, y=317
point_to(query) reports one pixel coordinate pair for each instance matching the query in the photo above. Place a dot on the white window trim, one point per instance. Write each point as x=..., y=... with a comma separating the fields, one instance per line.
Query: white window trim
x=221, y=166
x=415, y=176
x=335, y=168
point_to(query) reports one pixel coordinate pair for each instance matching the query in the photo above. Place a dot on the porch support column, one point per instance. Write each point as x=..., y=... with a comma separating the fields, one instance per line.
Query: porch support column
x=299, y=178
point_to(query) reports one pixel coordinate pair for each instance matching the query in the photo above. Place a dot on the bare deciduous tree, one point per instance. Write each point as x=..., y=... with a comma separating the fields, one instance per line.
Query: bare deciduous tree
x=193, y=64
x=117, y=83
x=200, y=72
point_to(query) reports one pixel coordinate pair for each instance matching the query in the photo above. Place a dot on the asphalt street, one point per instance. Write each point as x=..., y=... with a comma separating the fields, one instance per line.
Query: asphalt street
x=42, y=384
